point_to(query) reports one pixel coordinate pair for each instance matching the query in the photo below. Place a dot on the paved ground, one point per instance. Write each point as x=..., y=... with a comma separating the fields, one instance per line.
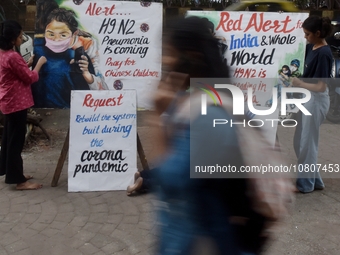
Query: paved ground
x=52, y=221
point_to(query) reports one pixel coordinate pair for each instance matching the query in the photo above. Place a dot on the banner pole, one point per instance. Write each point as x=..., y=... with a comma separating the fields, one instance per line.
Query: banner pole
x=61, y=160
x=141, y=154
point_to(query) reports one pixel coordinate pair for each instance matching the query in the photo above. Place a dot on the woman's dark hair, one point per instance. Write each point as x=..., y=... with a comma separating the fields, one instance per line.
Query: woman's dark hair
x=209, y=24
x=315, y=23
x=199, y=51
x=68, y=17
x=9, y=32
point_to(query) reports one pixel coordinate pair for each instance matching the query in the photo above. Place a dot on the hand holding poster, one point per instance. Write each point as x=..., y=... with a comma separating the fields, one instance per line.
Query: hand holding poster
x=103, y=147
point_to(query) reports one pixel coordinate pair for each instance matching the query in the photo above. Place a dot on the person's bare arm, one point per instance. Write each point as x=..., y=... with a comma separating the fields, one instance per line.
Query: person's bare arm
x=316, y=87
x=42, y=60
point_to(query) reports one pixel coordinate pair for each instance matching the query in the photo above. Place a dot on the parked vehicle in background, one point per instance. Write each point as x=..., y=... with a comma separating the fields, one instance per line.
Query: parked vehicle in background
x=26, y=48
x=333, y=114
x=264, y=6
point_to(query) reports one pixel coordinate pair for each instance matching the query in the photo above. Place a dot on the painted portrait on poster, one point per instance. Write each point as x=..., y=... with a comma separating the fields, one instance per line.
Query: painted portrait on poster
x=96, y=45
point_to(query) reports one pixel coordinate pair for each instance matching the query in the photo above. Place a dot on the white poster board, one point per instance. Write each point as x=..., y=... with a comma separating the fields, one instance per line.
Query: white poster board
x=256, y=45
x=103, y=140
x=123, y=40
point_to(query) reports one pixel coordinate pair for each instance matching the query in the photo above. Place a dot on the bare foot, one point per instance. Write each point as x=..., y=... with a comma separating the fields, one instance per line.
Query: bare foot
x=136, y=176
x=28, y=177
x=134, y=187
x=28, y=186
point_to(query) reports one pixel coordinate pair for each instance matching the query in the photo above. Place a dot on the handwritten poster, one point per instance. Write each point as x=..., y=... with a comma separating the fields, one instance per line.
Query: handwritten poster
x=121, y=40
x=103, y=140
x=262, y=49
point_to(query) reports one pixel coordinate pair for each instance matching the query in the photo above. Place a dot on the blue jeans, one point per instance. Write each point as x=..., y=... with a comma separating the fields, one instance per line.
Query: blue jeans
x=188, y=207
x=306, y=141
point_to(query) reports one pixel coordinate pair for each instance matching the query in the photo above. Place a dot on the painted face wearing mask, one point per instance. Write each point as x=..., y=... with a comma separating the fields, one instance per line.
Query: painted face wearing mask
x=58, y=46
x=285, y=71
x=58, y=36
x=293, y=68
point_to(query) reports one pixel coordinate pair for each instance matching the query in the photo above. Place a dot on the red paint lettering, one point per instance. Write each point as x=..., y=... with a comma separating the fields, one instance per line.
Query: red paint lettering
x=98, y=10
x=258, y=23
x=89, y=101
x=92, y=9
x=229, y=25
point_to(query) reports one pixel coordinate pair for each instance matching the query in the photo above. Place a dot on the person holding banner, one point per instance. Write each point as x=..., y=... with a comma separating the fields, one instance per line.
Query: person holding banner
x=15, y=98
x=74, y=61
x=318, y=68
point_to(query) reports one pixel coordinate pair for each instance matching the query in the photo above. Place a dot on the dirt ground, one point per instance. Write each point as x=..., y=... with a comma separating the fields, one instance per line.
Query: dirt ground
x=56, y=123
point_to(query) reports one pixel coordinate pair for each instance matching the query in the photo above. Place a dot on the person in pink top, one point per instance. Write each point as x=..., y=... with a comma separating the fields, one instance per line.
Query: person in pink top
x=15, y=98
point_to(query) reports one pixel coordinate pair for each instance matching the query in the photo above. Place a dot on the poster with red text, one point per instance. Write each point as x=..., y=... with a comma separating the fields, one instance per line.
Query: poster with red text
x=103, y=140
x=121, y=42
x=262, y=49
